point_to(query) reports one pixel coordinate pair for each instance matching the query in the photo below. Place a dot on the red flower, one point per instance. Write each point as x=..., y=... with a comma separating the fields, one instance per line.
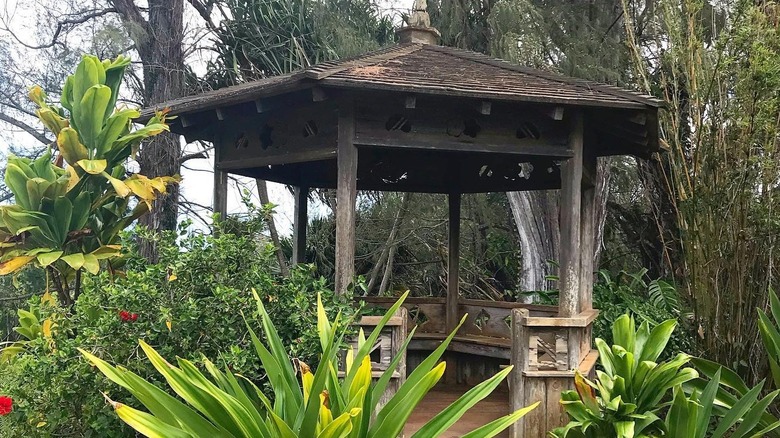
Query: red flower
x=6, y=405
x=134, y=317
x=126, y=316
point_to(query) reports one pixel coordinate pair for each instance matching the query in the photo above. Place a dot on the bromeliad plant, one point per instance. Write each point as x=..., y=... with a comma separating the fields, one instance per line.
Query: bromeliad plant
x=625, y=399
x=69, y=210
x=322, y=404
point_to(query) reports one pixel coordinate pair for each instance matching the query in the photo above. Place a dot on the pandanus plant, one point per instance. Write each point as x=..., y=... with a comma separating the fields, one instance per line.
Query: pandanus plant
x=306, y=404
x=72, y=201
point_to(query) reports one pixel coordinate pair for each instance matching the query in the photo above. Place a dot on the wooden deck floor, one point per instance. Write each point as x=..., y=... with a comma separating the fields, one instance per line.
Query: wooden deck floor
x=494, y=406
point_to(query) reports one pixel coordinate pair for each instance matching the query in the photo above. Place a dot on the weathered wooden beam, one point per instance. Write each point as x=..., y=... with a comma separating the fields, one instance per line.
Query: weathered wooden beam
x=411, y=102
x=346, y=193
x=571, y=197
x=262, y=106
x=519, y=147
x=280, y=158
x=453, y=261
x=588, y=234
x=186, y=121
x=484, y=107
x=318, y=94
x=220, y=186
x=519, y=359
x=300, y=222
x=556, y=113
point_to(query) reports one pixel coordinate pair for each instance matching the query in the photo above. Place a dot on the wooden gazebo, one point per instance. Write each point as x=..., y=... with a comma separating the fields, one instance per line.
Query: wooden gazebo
x=418, y=117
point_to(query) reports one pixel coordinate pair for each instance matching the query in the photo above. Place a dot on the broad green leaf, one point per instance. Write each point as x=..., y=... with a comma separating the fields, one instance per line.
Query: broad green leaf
x=47, y=258
x=75, y=261
x=93, y=167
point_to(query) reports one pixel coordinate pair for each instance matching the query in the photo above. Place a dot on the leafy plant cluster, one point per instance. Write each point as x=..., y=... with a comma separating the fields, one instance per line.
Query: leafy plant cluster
x=324, y=403
x=68, y=211
x=639, y=396
x=190, y=305
x=653, y=301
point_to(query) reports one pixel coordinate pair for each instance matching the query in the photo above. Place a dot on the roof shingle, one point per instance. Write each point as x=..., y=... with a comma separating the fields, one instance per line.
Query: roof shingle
x=427, y=69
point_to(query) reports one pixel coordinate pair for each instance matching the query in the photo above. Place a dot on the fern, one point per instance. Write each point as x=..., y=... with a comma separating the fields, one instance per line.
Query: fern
x=663, y=295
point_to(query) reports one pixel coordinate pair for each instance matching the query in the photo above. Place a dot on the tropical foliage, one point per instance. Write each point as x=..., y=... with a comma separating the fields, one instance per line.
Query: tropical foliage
x=629, y=398
x=625, y=400
x=187, y=305
x=68, y=212
x=311, y=404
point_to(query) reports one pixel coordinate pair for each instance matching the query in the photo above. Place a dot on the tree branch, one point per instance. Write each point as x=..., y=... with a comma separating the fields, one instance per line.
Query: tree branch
x=26, y=128
x=61, y=25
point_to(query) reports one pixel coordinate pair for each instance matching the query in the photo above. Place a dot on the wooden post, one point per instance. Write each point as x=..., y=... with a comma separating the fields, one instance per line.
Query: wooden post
x=587, y=236
x=300, y=221
x=346, y=193
x=519, y=359
x=453, y=261
x=571, y=196
x=220, y=186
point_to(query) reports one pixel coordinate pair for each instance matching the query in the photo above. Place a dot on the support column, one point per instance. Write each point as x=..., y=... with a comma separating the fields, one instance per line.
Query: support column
x=346, y=193
x=571, y=197
x=300, y=221
x=588, y=233
x=453, y=261
x=220, y=187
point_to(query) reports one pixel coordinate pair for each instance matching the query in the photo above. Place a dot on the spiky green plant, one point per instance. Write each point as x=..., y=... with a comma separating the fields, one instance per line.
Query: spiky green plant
x=306, y=404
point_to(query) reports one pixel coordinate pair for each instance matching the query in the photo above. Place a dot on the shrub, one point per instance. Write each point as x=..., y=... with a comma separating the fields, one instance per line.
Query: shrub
x=190, y=304
x=654, y=301
x=322, y=405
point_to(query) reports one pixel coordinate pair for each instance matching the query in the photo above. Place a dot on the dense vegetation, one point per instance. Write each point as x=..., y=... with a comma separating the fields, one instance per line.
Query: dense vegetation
x=689, y=235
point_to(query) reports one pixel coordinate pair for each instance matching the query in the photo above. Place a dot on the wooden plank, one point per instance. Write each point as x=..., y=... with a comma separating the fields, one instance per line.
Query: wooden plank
x=373, y=321
x=556, y=416
x=346, y=193
x=536, y=421
x=520, y=147
x=300, y=222
x=582, y=320
x=519, y=358
x=571, y=180
x=509, y=305
x=453, y=262
x=574, y=346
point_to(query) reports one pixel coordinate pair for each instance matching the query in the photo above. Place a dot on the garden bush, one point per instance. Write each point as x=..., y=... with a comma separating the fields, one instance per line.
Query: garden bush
x=189, y=304
x=653, y=301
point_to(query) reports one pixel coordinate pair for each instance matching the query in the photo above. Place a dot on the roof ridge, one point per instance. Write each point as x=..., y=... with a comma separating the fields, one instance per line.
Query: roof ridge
x=318, y=73
x=582, y=83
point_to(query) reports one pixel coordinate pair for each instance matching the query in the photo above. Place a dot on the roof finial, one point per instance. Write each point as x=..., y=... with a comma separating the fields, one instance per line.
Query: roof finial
x=418, y=28
x=420, y=15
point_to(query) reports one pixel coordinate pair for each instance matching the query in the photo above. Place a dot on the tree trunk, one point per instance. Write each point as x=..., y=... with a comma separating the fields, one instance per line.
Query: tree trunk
x=262, y=192
x=388, y=252
x=159, y=44
x=536, y=217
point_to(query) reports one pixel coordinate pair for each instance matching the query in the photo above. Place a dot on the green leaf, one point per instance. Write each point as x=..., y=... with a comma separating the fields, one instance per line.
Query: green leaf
x=47, y=258
x=75, y=261
x=91, y=114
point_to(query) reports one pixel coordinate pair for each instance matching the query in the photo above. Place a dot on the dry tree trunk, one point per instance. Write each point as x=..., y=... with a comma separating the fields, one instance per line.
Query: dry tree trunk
x=388, y=252
x=536, y=217
x=262, y=192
